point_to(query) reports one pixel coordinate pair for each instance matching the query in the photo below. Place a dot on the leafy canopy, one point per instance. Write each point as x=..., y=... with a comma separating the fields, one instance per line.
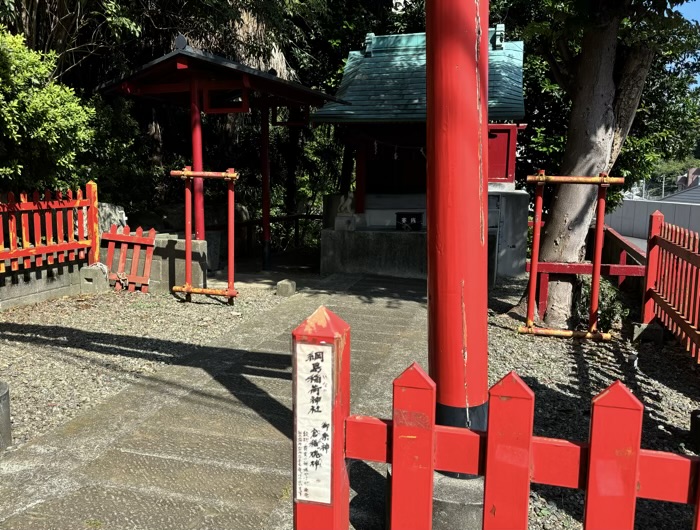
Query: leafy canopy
x=44, y=126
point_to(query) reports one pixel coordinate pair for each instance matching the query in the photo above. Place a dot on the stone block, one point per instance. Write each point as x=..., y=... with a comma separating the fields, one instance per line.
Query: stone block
x=5, y=425
x=93, y=281
x=286, y=288
x=652, y=332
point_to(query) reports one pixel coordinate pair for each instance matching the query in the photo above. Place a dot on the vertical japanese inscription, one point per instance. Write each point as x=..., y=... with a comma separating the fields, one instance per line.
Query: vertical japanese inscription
x=314, y=416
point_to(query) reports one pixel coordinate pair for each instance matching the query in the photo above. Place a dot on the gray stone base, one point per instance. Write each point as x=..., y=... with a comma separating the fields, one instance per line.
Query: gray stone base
x=652, y=332
x=39, y=284
x=5, y=425
x=93, y=281
x=457, y=503
x=286, y=288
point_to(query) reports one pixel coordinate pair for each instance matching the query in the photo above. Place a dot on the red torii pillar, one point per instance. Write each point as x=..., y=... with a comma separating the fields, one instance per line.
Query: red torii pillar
x=457, y=143
x=197, y=162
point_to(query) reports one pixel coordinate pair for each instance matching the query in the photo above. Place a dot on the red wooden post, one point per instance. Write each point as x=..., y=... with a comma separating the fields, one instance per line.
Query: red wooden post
x=652, y=266
x=508, y=454
x=2, y=244
x=265, y=171
x=597, y=257
x=93, y=224
x=12, y=229
x=188, y=234
x=48, y=221
x=135, y=258
x=36, y=220
x=457, y=144
x=231, y=232
x=413, y=443
x=623, y=261
x=321, y=380
x=70, y=225
x=197, y=162
x=535, y=256
x=613, y=459
x=695, y=294
x=24, y=221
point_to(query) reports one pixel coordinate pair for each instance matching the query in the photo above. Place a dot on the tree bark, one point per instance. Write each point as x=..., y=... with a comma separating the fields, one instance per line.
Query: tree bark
x=605, y=94
x=588, y=152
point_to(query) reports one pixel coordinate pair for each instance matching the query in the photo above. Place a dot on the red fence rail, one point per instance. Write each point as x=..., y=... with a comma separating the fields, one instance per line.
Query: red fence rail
x=672, y=281
x=611, y=467
x=48, y=229
x=138, y=275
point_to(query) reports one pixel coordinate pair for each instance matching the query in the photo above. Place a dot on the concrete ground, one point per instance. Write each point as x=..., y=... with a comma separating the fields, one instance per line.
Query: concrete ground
x=206, y=444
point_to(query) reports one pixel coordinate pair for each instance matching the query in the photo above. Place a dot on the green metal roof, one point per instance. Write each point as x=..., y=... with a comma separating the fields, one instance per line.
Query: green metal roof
x=386, y=82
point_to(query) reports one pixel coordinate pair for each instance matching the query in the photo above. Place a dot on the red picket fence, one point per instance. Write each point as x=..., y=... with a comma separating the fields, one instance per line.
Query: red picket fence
x=53, y=228
x=611, y=467
x=138, y=275
x=672, y=281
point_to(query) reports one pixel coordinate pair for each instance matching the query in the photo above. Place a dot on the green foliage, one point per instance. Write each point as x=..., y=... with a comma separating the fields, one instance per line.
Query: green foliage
x=612, y=310
x=44, y=127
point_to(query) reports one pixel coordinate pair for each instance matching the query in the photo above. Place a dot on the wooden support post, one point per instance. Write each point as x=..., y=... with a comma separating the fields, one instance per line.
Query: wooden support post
x=321, y=380
x=508, y=454
x=656, y=221
x=613, y=459
x=413, y=443
x=197, y=160
x=93, y=224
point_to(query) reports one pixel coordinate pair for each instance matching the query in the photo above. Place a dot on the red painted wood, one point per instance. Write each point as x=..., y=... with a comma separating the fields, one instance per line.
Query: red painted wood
x=110, y=247
x=622, y=261
x=325, y=327
x=48, y=226
x=188, y=232
x=457, y=150
x=135, y=256
x=231, y=234
x=148, y=261
x=70, y=224
x=2, y=244
x=36, y=221
x=671, y=315
x=60, y=232
x=81, y=224
x=413, y=443
x=508, y=454
x=368, y=438
x=12, y=229
x=612, y=269
x=93, y=225
x=197, y=161
x=460, y=450
x=24, y=223
x=597, y=258
x=123, y=250
x=613, y=461
x=652, y=265
x=695, y=296
x=532, y=288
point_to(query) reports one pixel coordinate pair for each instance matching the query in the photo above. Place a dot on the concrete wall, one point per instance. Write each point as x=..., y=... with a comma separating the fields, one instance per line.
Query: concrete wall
x=168, y=265
x=631, y=218
x=391, y=252
x=49, y=282
x=39, y=284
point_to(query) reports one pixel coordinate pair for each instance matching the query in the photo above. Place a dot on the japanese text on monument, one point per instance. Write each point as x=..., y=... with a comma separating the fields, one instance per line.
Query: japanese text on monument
x=314, y=415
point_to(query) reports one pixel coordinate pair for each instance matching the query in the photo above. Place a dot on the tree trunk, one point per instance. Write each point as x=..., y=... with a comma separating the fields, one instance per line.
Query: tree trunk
x=588, y=152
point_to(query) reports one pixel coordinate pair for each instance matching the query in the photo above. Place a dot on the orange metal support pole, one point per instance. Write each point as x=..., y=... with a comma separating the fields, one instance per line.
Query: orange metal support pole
x=597, y=258
x=265, y=170
x=231, y=236
x=188, y=236
x=197, y=163
x=457, y=207
x=93, y=224
x=535, y=255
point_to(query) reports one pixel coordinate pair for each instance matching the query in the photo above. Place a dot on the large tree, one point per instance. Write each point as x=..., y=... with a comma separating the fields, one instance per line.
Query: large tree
x=599, y=54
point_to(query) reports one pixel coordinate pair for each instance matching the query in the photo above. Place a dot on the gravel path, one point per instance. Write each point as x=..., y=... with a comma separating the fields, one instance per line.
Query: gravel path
x=61, y=357
x=64, y=356
x=565, y=375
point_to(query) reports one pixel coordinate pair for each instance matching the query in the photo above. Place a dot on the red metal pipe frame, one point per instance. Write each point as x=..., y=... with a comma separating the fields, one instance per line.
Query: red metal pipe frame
x=188, y=236
x=457, y=134
x=197, y=163
x=535, y=259
x=231, y=239
x=265, y=170
x=597, y=258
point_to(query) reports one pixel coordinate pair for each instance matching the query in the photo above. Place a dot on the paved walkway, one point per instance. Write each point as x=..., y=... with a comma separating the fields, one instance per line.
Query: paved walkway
x=207, y=444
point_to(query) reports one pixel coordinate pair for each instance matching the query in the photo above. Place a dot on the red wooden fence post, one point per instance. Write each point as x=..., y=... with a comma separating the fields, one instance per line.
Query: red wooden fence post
x=655, y=222
x=508, y=450
x=93, y=224
x=613, y=459
x=321, y=368
x=413, y=442
x=535, y=254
